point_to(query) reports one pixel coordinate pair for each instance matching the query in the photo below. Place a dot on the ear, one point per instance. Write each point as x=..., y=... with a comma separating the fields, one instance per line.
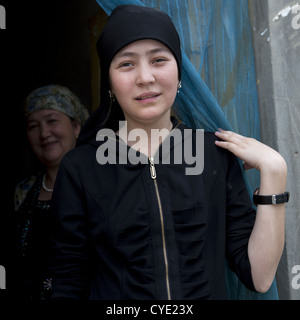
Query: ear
x=77, y=127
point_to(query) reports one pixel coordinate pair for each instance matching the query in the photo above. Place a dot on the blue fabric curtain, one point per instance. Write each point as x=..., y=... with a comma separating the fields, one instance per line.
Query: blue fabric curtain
x=218, y=79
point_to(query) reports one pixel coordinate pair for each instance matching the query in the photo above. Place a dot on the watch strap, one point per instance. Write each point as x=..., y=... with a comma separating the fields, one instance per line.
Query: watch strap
x=271, y=199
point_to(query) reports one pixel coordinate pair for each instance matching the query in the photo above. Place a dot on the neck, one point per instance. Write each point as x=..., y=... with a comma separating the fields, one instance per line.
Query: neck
x=144, y=138
x=50, y=177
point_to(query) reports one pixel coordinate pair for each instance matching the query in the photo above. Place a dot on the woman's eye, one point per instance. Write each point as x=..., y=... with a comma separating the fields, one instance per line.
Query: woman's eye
x=52, y=121
x=31, y=127
x=126, y=65
x=158, y=60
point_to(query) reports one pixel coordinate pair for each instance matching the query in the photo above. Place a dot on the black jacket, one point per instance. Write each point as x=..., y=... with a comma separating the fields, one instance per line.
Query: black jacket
x=120, y=234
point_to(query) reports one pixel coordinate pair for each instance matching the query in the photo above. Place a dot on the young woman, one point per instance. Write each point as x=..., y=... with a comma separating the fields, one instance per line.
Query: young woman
x=147, y=229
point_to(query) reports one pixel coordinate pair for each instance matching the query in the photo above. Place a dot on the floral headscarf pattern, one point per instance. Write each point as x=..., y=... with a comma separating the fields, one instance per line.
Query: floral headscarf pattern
x=57, y=98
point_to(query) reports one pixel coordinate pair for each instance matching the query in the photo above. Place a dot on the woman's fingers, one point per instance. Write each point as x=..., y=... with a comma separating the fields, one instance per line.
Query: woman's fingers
x=252, y=152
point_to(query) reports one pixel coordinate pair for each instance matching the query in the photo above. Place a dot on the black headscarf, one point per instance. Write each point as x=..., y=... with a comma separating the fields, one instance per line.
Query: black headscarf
x=126, y=24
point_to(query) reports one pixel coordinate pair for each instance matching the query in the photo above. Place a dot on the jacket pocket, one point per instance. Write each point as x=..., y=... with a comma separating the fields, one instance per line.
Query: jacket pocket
x=190, y=231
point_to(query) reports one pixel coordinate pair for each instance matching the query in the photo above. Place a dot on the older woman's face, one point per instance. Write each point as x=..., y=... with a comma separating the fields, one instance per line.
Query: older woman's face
x=51, y=134
x=144, y=79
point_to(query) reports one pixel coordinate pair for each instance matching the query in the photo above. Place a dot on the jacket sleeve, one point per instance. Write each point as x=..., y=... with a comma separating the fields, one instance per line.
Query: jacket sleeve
x=69, y=254
x=239, y=223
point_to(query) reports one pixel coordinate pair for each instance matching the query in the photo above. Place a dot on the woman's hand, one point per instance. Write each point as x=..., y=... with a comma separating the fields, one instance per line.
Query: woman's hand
x=253, y=153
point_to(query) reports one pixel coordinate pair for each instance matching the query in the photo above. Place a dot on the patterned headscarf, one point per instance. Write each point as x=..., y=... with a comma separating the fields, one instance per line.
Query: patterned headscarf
x=57, y=98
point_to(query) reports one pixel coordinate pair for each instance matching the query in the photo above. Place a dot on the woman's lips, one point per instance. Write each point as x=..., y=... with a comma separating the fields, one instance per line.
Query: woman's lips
x=147, y=97
x=48, y=144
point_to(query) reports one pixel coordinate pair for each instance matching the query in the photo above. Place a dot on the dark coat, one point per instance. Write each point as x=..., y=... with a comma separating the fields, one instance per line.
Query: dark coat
x=122, y=235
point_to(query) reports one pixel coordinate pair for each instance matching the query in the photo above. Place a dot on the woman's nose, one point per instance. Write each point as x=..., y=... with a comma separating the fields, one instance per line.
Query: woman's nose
x=44, y=131
x=145, y=75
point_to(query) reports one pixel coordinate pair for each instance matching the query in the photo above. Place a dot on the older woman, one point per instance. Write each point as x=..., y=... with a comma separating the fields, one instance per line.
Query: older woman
x=54, y=116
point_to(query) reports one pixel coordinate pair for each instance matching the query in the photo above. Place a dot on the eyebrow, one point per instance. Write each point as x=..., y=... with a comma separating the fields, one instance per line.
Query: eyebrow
x=133, y=54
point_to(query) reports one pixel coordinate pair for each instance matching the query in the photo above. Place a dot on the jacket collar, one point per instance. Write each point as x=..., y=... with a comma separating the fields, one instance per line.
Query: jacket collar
x=120, y=152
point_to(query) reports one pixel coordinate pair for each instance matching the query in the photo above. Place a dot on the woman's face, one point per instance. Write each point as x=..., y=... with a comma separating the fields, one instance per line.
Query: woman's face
x=51, y=134
x=144, y=80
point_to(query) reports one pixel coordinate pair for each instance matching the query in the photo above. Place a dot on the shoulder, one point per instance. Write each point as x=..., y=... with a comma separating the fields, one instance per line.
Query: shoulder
x=214, y=156
x=209, y=138
x=78, y=162
x=22, y=189
x=79, y=153
x=208, y=135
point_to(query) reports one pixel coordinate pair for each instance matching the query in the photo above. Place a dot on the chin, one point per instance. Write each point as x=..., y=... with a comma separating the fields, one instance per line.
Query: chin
x=149, y=117
x=52, y=161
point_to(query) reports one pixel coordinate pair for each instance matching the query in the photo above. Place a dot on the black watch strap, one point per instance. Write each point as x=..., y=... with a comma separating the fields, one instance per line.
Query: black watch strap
x=273, y=199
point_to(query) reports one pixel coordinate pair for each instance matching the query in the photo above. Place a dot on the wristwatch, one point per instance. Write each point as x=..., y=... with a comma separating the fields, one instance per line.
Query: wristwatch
x=272, y=199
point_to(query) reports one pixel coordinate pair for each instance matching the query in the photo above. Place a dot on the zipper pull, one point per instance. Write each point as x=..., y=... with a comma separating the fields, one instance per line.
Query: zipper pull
x=152, y=168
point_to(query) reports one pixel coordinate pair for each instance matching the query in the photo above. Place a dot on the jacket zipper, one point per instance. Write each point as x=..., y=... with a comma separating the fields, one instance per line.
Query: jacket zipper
x=153, y=176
